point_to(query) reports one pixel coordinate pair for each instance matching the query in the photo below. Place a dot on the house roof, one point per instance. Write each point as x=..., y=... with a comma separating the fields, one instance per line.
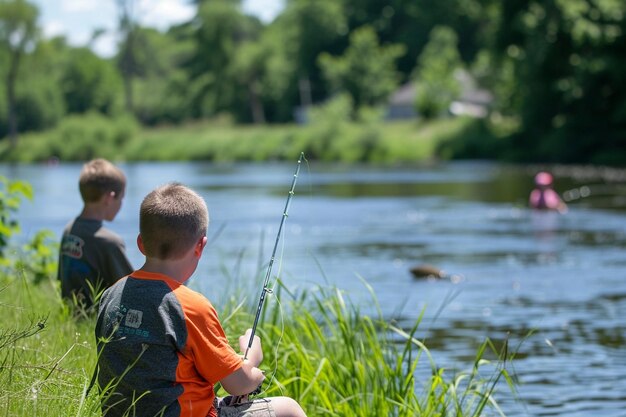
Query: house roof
x=405, y=95
x=470, y=92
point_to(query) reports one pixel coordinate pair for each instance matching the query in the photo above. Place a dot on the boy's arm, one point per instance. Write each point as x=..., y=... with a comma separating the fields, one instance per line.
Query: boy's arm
x=244, y=380
x=247, y=378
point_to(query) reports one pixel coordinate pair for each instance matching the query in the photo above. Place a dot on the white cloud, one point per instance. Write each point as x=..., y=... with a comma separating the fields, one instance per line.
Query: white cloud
x=164, y=13
x=266, y=10
x=76, y=37
x=79, y=6
x=106, y=45
x=53, y=28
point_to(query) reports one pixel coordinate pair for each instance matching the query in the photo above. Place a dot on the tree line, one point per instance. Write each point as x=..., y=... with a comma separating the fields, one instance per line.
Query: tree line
x=555, y=68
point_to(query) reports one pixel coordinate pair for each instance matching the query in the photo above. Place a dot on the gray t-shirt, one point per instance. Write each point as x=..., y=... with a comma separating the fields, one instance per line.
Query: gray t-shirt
x=90, y=254
x=161, y=349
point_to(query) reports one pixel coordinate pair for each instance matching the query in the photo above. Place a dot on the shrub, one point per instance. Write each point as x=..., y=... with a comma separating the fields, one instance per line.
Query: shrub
x=11, y=195
x=76, y=138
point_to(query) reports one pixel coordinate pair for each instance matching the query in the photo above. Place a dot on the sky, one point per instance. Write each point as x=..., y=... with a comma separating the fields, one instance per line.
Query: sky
x=77, y=19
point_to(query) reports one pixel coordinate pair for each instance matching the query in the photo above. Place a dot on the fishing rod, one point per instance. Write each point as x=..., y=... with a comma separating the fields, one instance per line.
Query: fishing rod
x=268, y=273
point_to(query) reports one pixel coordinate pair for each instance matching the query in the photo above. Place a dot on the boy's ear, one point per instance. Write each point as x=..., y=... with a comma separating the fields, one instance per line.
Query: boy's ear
x=108, y=197
x=140, y=244
x=201, y=245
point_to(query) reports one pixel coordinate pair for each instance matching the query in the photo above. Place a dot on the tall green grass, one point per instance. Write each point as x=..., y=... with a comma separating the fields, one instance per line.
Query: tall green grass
x=46, y=356
x=319, y=349
x=339, y=362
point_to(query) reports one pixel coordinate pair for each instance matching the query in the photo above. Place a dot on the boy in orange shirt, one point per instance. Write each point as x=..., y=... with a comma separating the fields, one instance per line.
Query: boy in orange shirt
x=161, y=347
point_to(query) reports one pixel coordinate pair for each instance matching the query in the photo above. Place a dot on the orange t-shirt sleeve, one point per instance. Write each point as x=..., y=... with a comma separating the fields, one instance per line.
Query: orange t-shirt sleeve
x=213, y=356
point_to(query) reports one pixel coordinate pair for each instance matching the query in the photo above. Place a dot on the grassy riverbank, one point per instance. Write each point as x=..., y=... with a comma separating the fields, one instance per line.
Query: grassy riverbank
x=79, y=138
x=318, y=349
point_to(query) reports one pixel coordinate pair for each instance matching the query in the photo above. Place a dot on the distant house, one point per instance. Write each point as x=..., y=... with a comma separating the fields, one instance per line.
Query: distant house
x=301, y=115
x=401, y=104
x=473, y=101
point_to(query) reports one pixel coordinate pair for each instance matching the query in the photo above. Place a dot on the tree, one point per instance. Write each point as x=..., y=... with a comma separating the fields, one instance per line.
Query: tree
x=568, y=59
x=127, y=58
x=161, y=89
x=219, y=30
x=249, y=66
x=409, y=22
x=136, y=55
x=90, y=83
x=310, y=27
x=266, y=68
x=435, y=80
x=38, y=98
x=366, y=70
x=18, y=31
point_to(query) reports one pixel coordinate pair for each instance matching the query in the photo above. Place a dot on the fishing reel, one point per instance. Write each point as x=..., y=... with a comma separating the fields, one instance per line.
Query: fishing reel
x=240, y=399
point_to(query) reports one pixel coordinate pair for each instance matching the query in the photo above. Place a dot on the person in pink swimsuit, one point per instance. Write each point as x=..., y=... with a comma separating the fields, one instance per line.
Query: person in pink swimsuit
x=543, y=197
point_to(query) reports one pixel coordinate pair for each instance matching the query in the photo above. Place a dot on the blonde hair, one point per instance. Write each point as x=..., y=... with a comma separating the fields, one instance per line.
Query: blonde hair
x=172, y=218
x=99, y=177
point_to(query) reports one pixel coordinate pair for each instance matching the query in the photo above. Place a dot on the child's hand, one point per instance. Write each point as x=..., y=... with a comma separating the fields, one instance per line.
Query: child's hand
x=255, y=353
x=244, y=339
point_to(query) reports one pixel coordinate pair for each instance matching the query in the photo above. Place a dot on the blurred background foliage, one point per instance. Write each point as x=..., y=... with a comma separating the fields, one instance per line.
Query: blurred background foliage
x=554, y=70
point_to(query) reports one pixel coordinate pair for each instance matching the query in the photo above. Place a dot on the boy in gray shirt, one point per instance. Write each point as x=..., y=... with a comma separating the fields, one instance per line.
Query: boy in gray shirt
x=92, y=257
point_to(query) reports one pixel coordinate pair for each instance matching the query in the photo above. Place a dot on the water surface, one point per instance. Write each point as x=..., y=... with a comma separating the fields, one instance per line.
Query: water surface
x=561, y=276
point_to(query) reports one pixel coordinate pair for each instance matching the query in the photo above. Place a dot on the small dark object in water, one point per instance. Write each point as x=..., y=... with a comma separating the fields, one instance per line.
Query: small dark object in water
x=427, y=271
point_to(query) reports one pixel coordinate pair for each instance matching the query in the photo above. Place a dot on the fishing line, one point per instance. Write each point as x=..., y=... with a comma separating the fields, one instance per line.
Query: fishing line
x=280, y=339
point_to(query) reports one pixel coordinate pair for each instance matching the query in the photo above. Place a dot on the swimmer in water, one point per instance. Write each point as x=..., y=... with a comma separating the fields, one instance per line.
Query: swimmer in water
x=543, y=197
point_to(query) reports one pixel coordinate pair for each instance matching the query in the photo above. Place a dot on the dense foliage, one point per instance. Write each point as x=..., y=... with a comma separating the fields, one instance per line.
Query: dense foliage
x=554, y=68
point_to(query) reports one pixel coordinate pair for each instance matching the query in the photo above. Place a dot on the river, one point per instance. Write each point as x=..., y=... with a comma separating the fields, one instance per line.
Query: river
x=514, y=270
